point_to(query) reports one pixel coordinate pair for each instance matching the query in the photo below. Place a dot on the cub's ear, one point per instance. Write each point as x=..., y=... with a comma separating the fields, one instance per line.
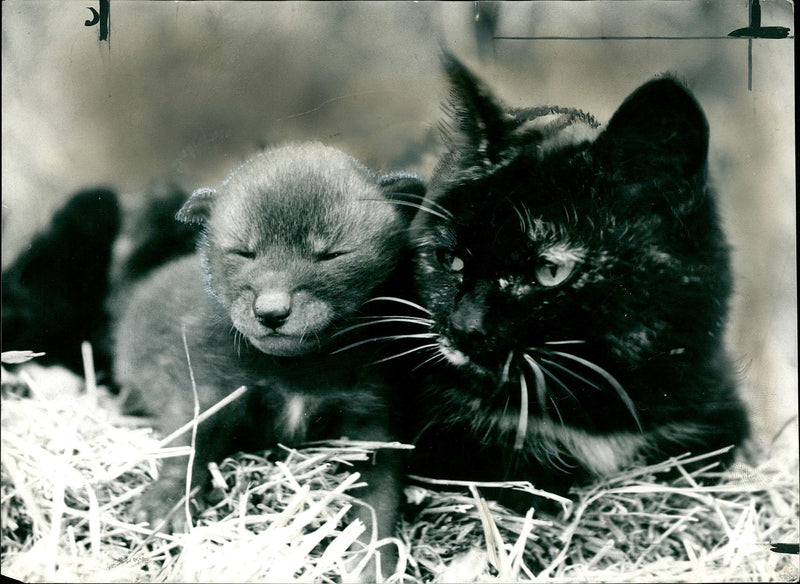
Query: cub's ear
x=475, y=115
x=197, y=208
x=659, y=129
x=405, y=190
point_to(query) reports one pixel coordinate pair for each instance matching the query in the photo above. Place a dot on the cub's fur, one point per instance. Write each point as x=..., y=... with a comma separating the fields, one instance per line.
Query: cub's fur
x=577, y=282
x=293, y=245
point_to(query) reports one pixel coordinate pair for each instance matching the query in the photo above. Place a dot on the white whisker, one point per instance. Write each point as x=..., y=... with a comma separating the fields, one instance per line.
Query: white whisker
x=541, y=388
x=571, y=372
x=437, y=356
x=410, y=320
x=379, y=318
x=576, y=342
x=506, y=368
x=426, y=201
x=529, y=222
x=238, y=337
x=415, y=205
x=414, y=350
x=303, y=332
x=522, y=426
x=304, y=335
x=552, y=376
x=401, y=301
x=522, y=225
x=386, y=338
x=623, y=395
x=558, y=412
x=505, y=407
x=559, y=462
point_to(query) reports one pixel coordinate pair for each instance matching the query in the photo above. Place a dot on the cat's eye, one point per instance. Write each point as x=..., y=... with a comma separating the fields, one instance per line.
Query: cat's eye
x=326, y=256
x=550, y=274
x=450, y=261
x=243, y=253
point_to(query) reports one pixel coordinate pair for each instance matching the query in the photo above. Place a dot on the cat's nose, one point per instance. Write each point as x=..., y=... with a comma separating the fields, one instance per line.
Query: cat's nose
x=272, y=308
x=468, y=317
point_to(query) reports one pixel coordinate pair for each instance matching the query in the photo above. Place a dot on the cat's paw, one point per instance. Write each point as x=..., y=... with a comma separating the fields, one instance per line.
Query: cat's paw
x=159, y=506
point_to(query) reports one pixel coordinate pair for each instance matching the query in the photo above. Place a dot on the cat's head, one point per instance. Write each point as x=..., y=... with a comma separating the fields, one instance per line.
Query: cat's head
x=570, y=255
x=297, y=239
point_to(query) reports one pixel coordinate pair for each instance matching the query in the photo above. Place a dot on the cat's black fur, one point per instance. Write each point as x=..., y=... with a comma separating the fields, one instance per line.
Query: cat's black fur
x=577, y=280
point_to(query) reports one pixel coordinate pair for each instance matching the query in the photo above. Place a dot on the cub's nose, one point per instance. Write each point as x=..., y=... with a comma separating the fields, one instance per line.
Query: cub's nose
x=272, y=308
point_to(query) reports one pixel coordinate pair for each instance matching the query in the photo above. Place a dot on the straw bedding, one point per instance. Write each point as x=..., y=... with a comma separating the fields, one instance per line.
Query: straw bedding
x=71, y=465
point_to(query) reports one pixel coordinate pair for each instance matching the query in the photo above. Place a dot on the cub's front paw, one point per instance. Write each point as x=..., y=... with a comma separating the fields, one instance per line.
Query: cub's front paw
x=159, y=506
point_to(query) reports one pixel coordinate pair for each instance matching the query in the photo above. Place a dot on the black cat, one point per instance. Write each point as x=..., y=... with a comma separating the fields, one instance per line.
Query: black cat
x=575, y=283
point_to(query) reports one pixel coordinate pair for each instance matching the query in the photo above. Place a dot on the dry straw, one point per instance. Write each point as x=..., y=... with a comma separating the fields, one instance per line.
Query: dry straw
x=71, y=466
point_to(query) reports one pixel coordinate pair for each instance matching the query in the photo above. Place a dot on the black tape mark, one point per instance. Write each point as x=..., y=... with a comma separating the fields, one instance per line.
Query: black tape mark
x=785, y=548
x=103, y=18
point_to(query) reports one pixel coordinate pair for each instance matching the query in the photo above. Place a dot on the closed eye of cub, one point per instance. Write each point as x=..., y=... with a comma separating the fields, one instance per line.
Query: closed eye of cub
x=244, y=253
x=325, y=256
x=323, y=248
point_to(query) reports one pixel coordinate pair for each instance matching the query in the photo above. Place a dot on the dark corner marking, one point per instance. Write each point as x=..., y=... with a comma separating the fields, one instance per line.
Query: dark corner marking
x=103, y=18
x=753, y=30
x=784, y=548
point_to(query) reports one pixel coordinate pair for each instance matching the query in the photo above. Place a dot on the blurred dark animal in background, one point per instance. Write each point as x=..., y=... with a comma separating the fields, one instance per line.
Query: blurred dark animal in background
x=67, y=286
x=54, y=293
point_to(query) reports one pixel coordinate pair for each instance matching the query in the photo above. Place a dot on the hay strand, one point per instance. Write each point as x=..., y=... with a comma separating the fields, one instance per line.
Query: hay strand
x=72, y=465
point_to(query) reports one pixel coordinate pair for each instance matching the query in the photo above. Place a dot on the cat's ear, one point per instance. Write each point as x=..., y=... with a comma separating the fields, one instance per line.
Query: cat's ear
x=197, y=208
x=659, y=128
x=405, y=190
x=476, y=116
